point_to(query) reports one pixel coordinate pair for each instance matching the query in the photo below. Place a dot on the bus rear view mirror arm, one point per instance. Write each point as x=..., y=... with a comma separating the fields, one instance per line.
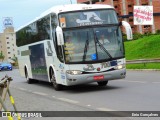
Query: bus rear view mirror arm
x=128, y=29
x=59, y=34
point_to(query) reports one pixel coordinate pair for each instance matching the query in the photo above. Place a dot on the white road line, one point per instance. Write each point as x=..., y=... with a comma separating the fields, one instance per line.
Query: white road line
x=22, y=89
x=68, y=100
x=88, y=105
x=136, y=81
x=53, y=96
x=120, y=80
x=40, y=93
x=156, y=82
x=105, y=109
x=12, y=87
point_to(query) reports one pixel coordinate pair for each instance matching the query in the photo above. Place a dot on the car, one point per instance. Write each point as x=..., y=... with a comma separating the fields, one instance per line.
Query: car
x=5, y=66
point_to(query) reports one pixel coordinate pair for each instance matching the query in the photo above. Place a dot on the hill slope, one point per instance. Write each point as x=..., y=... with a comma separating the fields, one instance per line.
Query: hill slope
x=143, y=48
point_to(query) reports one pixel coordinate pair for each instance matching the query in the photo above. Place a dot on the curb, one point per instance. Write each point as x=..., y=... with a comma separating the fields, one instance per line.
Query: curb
x=143, y=69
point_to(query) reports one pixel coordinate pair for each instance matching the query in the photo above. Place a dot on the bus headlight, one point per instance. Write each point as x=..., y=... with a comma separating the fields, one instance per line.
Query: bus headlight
x=74, y=72
x=120, y=66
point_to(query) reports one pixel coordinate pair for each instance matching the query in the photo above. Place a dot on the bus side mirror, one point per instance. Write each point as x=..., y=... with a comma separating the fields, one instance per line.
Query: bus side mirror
x=59, y=34
x=128, y=30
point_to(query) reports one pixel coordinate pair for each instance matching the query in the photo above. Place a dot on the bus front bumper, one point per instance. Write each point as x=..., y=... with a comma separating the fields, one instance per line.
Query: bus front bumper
x=88, y=78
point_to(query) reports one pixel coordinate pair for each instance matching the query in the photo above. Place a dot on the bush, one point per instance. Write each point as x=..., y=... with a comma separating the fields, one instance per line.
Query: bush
x=157, y=31
x=148, y=34
x=137, y=36
x=124, y=37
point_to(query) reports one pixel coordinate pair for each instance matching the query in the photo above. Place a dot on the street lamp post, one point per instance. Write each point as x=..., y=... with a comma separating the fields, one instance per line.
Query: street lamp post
x=90, y=1
x=71, y=1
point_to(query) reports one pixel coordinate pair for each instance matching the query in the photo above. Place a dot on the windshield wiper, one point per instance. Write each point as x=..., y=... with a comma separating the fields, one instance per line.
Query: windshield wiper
x=86, y=48
x=101, y=46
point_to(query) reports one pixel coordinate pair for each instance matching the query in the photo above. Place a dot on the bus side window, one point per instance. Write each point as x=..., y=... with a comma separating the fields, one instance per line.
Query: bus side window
x=43, y=26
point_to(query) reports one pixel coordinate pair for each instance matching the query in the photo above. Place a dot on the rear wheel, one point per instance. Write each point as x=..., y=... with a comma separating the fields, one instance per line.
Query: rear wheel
x=102, y=83
x=53, y=80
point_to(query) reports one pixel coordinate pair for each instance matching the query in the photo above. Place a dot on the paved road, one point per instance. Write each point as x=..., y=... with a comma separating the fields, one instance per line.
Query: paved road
x=138, y=92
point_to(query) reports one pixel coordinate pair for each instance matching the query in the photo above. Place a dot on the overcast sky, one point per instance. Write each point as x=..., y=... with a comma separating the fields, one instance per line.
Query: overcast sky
x=23, y=11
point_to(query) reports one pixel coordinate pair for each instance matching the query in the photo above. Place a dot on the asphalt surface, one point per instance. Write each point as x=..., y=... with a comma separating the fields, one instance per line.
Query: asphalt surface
x=139, y=91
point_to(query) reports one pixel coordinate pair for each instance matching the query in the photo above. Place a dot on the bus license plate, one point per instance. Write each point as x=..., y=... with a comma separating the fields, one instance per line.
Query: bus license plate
x=100, y=77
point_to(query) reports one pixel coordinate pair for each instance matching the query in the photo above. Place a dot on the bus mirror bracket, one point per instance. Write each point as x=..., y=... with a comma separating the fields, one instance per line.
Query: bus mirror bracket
x=59, y=34
x=128, y=30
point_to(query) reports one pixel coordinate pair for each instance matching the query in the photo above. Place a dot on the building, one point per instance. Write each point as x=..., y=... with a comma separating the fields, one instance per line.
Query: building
x=8, y=44
x=124, y=9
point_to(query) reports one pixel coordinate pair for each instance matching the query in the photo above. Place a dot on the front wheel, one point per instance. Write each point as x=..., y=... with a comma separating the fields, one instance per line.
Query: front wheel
x=53, y=80
x=102, y=83
x=29, y=81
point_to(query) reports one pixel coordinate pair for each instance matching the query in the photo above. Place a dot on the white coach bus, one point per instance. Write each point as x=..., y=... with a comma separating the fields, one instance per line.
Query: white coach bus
x=73, y=44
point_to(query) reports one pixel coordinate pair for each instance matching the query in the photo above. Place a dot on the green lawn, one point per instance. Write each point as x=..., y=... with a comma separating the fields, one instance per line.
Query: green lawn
x=147, y=47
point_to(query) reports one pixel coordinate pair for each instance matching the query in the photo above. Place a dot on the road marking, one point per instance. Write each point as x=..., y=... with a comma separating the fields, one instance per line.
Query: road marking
x=40, y=93
x=121, y=80
x=88, y=105
x=13, y=87
x=53, y=96
x=68, y=100
x=156, y=82
x=130, y=81
x=105, y=109
x=136, y=81
x=112, y=112
x=22, y=89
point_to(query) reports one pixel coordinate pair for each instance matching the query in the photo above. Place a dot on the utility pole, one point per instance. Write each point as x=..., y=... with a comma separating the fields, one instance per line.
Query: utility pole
x=90, y=1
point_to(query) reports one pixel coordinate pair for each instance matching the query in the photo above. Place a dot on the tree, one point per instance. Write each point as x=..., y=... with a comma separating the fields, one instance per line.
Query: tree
x=2, y=56
x=15, y=60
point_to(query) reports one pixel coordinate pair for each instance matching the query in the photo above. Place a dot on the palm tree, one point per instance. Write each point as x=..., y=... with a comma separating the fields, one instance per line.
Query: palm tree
x=15, y=60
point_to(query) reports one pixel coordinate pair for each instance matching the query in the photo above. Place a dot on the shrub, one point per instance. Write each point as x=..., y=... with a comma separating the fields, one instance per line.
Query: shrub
x=157, y=31
x=124, y=37
x=137, y=36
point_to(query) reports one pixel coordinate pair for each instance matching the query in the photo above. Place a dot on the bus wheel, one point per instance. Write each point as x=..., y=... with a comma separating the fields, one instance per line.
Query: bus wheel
x=53, y=80
x=29, y=81
x=103, y=83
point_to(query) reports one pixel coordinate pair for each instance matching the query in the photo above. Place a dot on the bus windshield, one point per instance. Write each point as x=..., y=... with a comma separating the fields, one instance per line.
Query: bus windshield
x=93, y=44
x=87, y=18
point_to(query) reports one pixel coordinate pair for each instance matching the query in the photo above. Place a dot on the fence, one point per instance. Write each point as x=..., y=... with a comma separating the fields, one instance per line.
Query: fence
x=143, y=61
x=4, y=89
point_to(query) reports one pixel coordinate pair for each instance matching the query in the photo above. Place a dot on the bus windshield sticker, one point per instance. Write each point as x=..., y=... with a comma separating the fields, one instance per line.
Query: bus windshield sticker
x=63, y=22
x=93, y=56
x=91, y=19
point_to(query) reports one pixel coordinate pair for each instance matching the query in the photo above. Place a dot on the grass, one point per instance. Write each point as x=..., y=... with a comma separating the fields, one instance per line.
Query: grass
x=147, y=47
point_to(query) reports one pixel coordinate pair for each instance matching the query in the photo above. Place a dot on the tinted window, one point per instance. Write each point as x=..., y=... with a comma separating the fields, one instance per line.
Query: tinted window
x=88, y=18
x=37, y=31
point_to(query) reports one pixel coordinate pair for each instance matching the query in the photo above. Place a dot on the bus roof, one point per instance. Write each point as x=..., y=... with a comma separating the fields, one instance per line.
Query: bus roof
x=71, y=7
x=68, y=8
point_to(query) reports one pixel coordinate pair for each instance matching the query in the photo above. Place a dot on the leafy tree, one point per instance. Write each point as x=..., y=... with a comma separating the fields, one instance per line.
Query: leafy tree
x=15, y=60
